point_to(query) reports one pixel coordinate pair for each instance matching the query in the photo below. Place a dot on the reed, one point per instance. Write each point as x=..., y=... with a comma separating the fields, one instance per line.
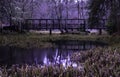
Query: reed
x=100, y=62
x=39, y=71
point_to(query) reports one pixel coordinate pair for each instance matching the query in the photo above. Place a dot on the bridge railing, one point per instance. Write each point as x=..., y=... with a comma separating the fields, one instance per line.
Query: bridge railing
x=55, y=23
x=61, y=24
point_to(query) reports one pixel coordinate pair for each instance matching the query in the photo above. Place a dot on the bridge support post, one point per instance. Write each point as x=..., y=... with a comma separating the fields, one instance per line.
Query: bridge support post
x=50, y=31
x=84, y=25
x=51, y=26
x=1, y=27
x=66, y=25
x=26, y=25
x=40, y=24
x=100, y=31
x=46, y=24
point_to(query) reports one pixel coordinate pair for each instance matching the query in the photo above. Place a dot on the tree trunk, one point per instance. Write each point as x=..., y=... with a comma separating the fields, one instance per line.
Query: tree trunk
x=118, y=24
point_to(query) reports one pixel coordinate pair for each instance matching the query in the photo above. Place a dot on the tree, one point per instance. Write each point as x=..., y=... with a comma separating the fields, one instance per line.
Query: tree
x=23, y=9
x=6, y=10
x=100, y=9
x=16, y=11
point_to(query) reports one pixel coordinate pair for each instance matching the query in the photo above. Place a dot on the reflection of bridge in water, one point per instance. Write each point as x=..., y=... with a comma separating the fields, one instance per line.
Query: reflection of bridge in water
x=64, y=25
x=78, y=45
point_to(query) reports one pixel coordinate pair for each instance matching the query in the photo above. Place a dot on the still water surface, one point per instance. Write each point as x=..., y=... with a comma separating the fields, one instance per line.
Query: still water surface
x=60, y=54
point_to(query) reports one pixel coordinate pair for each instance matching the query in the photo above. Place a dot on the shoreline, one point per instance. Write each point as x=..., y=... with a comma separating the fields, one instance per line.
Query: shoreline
x=43, y=40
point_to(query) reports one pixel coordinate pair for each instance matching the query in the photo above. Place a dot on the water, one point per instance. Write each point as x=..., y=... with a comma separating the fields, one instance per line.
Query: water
x=46, y=56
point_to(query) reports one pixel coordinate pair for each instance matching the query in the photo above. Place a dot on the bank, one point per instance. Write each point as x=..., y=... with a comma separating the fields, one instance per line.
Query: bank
x=31, y=40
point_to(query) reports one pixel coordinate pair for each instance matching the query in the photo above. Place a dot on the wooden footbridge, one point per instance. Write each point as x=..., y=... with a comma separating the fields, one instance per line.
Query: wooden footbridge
x=64, y=25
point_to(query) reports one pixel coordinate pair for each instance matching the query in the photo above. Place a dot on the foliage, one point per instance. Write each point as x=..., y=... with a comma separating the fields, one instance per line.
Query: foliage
x=43, y=8
x=111, y=27
x=102, y=9
x=14, y=12
x=95, y=12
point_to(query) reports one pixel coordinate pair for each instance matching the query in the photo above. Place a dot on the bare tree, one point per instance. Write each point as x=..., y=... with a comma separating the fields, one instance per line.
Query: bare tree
x=17, y=10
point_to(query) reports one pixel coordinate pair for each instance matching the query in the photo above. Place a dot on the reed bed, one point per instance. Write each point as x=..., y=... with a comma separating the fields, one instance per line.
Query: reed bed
x=39, y=71
x=100, y=62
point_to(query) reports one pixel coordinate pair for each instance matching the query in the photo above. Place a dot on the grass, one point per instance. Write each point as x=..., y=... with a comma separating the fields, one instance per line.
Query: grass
x=39, y=40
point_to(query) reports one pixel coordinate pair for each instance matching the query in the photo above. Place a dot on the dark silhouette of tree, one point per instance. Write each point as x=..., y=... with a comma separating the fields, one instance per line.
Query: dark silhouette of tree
x=102, y=9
